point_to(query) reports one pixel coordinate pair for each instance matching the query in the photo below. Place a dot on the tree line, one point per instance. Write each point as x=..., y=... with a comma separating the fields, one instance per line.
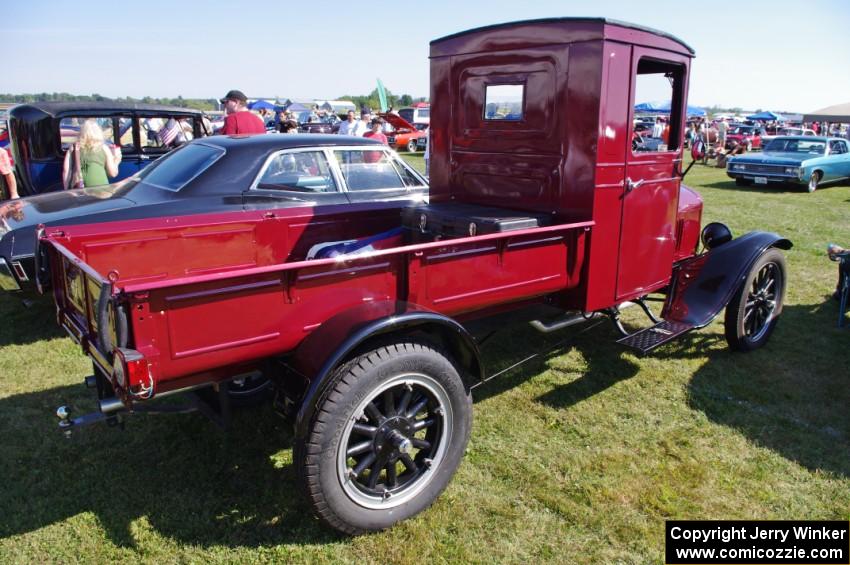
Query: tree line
x=370, y=100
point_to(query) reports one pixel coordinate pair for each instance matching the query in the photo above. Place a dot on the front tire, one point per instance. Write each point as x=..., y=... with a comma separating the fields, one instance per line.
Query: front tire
x=411, y=146
x=814, y=181
x=752, y=313
x=386, y=439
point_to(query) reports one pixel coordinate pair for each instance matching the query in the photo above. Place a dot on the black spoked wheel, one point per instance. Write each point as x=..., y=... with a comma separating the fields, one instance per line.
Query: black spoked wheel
x=753, y=312
x=386, y=439
x=399, y=435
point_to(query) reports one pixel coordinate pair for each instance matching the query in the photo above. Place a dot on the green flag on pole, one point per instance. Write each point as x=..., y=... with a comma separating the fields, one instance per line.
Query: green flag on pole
x=382, y=96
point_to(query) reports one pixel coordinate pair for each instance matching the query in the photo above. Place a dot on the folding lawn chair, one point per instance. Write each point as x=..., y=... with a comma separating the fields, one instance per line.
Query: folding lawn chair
x=842, y=256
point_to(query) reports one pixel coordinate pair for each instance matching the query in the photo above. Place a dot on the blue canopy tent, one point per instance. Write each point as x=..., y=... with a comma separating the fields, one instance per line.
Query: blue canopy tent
x=261, y=105
x=767, y=116
x=664, y=108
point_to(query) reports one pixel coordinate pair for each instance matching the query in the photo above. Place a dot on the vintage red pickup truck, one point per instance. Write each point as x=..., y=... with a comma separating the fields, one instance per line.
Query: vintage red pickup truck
x=359, y=316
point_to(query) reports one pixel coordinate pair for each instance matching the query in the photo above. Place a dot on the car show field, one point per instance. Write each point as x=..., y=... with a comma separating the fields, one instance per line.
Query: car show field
x=578, y=455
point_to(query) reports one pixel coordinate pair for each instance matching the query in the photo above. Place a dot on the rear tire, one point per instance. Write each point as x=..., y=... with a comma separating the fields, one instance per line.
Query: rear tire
x=386, y=438
x=814, y=181
x=752, y=313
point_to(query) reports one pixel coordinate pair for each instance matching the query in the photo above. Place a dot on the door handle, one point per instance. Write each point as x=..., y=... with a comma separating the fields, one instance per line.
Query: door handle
x=631, y=185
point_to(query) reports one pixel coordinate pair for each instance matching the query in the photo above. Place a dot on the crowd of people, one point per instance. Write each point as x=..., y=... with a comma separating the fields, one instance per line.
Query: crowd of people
x=240, y=120
x=91, y=160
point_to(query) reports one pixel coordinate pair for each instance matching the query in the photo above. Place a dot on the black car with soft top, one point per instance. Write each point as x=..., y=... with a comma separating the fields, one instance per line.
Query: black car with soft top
x=42, y=132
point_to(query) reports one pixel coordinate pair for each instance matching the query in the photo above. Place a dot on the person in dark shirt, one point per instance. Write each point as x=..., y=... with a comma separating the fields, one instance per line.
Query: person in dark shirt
x=239, y=119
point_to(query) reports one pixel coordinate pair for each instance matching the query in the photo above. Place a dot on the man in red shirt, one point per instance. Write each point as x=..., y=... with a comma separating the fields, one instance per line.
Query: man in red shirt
x=239, y=119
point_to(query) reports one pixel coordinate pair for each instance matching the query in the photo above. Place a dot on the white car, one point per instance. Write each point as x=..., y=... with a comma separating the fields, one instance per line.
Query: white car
x=787, y=131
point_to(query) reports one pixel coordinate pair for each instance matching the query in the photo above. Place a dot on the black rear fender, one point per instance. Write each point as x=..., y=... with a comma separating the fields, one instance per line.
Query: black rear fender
x=367, y=326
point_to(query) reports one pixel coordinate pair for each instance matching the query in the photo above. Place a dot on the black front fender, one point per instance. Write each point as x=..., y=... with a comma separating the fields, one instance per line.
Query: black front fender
x=337, y=339
x=704, y=284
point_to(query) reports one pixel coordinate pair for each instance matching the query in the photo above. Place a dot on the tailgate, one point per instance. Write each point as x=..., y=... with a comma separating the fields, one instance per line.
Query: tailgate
x=85, y=306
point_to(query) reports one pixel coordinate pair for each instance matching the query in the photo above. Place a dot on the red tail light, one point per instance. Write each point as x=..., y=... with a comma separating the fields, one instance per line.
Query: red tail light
x=132, y=372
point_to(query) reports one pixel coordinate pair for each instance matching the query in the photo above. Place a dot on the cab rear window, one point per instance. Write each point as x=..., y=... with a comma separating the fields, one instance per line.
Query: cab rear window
x=174, y=171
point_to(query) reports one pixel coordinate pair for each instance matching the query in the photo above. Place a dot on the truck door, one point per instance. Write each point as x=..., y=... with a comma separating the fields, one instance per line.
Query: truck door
x=651, y=183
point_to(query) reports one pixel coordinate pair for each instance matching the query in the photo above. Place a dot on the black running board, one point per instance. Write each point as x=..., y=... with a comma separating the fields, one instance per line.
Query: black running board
x=648, y=339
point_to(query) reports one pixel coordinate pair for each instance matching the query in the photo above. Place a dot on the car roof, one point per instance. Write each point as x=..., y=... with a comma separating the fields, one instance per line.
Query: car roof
x=274, y=141
x=245, y=154
x=806, y=138
x=567, y=23
x=56, y=108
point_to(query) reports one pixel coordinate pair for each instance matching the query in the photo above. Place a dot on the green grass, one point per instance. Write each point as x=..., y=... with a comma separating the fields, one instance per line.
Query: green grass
x=577, y=457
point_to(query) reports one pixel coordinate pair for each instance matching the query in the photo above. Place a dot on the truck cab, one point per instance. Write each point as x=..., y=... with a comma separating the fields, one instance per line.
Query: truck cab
x=539, y=118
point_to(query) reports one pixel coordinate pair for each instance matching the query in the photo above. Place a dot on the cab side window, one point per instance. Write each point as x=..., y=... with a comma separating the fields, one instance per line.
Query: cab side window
x=659, y=97
x=837, y=147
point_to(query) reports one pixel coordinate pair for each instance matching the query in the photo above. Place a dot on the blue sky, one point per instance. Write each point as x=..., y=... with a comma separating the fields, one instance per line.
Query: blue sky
x=779, y=55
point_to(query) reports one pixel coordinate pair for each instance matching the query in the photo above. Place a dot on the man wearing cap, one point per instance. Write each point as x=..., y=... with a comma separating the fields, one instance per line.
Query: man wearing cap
x=239, y=119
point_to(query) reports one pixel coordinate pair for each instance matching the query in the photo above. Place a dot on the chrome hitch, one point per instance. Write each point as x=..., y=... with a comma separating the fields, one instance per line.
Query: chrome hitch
x=67, y=423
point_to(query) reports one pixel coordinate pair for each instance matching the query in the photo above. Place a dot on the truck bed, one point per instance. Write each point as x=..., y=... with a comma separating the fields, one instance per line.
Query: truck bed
x=205, y=292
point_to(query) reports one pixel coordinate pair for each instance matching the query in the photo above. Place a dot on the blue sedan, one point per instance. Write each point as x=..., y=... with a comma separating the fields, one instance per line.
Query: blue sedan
x=809, y=161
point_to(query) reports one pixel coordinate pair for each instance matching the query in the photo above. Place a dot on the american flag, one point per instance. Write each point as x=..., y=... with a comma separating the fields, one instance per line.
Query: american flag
x=169, y=132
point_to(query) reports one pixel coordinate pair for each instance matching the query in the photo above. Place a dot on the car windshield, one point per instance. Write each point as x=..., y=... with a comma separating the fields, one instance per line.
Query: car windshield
x=174, y=171
x=793, y=145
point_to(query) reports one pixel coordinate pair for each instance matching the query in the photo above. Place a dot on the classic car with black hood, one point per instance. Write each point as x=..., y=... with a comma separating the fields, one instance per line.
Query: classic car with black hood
x=803, y=160
x=214, y=174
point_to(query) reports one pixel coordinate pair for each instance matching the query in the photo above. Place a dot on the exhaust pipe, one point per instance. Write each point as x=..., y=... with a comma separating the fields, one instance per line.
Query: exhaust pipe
x=110, y=405
x=564, y=322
